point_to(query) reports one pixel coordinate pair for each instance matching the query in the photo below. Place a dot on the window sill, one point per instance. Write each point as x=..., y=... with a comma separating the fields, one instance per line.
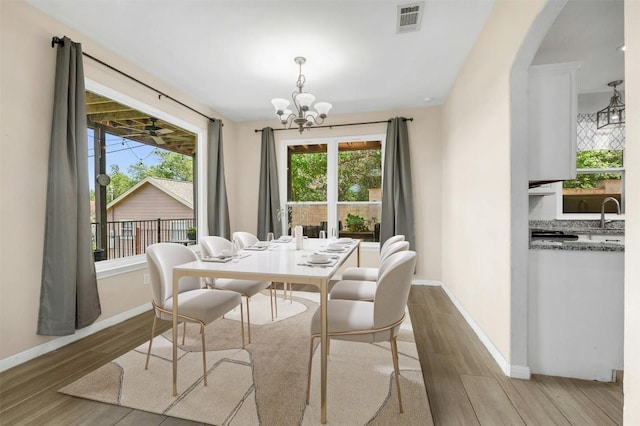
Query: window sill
x=114, y=267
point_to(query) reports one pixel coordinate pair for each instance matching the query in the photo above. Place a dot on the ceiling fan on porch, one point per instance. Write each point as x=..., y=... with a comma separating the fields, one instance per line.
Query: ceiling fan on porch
x=152, y=130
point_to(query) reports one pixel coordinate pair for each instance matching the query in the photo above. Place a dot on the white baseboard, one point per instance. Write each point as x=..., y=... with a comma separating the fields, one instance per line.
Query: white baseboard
x=515, y=371
x=59, y=342
x=421, y=281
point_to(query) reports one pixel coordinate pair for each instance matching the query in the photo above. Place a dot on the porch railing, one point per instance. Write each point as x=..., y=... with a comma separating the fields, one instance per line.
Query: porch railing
x=132, y=237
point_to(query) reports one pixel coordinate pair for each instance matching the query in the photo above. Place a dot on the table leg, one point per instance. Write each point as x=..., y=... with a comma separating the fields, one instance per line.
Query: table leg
x=324, y=346
x=176, y=279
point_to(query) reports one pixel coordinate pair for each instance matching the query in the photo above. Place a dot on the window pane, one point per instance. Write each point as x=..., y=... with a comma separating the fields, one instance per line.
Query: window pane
x=586, y=193
x=599, y=159
x=359, y=171
x=311, y=216
x=360, y=220
x=307, y=173
x=150, y=196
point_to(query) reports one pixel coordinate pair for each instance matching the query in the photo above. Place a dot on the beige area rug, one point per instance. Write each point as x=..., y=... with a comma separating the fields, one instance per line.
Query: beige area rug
x=265, y=383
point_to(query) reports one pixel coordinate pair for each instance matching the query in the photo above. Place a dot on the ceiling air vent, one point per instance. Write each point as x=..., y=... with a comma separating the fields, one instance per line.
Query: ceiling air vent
x=409, y=17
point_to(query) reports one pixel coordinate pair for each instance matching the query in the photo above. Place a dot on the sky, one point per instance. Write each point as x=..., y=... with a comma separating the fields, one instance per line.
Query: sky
x=122, y=152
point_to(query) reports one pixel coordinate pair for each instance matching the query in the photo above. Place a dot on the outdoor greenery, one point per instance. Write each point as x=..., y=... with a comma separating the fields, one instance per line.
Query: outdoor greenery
x=355, y=223
x=191, y=232
x=596, y=159
x=171, y=166
x=309, y=177
x=358, y=171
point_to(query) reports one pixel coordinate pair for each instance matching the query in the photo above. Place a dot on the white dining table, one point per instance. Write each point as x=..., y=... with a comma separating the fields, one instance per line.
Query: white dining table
x=281, y=262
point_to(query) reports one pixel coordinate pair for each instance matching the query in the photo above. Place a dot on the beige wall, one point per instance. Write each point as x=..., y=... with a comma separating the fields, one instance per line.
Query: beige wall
x=632, y=245
x=476, y=240
x=424, y=137
x=28, y=64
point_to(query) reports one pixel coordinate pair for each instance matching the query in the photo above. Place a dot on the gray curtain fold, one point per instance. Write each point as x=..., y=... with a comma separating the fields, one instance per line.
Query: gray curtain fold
x=397, y=199
x=69, y=290
x=217, y=203
x=269, y=193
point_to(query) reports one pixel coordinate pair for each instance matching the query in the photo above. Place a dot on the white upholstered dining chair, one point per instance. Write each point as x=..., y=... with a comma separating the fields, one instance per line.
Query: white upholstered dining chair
x=361, y=321
x=365, y=288
x=368, y=273
x=195, y=304
x=212, y=246
x=245, y=239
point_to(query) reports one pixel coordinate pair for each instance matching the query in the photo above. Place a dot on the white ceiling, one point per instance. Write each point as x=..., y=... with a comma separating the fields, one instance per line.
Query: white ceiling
x=589, y=32
x=236, y=55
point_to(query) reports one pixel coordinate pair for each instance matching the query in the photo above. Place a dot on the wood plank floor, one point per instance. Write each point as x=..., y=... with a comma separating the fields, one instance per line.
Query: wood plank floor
x=464, y=384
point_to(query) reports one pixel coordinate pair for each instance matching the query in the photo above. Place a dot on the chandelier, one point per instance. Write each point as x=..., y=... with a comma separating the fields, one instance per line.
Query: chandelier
x=303, y=117
x=613, y=114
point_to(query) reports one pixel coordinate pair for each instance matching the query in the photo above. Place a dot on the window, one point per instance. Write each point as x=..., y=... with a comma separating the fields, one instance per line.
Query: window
x=150, y=195
x=335, y=184
x=600, y=169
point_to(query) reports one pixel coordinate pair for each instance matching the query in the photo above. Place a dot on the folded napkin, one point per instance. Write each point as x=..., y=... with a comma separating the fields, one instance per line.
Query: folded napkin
x=319, y=265
x=256, y=248
x=332, y=255
x=218, y=259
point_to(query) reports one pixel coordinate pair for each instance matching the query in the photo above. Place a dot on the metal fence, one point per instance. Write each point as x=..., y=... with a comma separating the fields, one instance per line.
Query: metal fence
x=132, y=237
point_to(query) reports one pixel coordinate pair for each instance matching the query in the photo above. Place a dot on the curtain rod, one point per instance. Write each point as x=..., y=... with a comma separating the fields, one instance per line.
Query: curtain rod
x=58, y=40
x=337, y=125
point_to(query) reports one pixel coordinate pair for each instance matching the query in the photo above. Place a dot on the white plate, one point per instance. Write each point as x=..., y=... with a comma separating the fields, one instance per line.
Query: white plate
x=336, y=250
x=320, y=262
x=344, y=240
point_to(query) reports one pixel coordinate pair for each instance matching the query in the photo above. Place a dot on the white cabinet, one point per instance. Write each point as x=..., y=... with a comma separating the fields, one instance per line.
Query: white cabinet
x=552, y=116
x=576, y=313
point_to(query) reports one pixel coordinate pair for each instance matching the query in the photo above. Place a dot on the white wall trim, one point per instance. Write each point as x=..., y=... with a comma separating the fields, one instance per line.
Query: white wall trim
x=515, y=371
x=422, y=281
x=59, y=342
x=114, y=267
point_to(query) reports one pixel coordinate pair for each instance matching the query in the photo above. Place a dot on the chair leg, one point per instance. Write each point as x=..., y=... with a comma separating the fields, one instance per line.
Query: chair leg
x=248, y=320
x=309, y=369
x=271, y=300
x=204, y=355
x=242, y=323
x=153, y=332
x=275, y=290
x=184, y=331
x=396, y=368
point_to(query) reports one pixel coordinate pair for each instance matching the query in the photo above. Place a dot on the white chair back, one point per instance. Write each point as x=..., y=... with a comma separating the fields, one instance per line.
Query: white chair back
x=161, y=258
x=212, y=246
x=393, y=288
x=390, y=241
x=245, y=239
x=396, y=247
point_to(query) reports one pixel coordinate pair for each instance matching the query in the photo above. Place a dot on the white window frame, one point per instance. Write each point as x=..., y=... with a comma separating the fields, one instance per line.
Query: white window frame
x=332, y=169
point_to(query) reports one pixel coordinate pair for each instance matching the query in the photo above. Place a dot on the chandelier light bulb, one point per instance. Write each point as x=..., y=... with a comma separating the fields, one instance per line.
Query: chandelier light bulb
x=305, y=100
x=280, y=104
x=303, y=117
x=323, y=108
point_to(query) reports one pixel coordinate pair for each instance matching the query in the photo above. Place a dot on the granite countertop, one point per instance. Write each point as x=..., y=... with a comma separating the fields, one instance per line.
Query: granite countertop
x=579, y=227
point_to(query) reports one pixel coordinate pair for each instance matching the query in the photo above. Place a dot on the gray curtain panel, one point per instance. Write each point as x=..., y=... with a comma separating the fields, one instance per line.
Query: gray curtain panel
x=217, y=203
x=269, y=194
x=397, y=199
x=69, y=289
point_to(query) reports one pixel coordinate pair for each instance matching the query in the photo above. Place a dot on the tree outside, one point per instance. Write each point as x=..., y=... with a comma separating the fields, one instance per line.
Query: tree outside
x=171, y=166
x=596, y=159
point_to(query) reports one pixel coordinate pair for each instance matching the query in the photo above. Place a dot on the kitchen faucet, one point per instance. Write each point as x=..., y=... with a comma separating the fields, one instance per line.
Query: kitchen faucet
x=605, y=201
